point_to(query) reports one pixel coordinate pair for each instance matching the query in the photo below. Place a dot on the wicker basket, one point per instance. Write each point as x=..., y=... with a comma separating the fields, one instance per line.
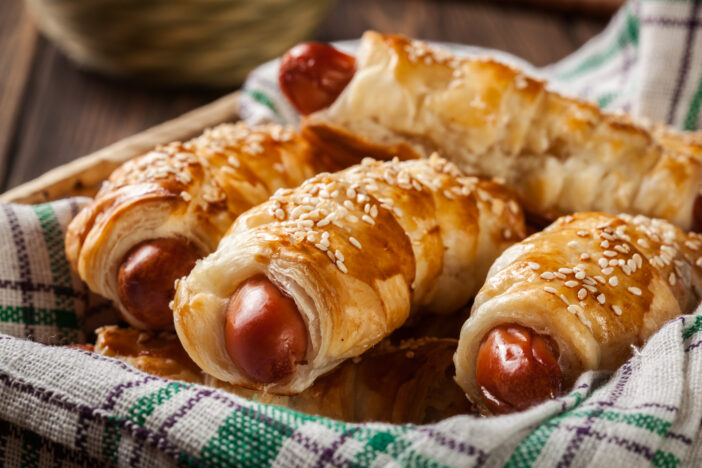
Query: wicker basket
x=177, y=42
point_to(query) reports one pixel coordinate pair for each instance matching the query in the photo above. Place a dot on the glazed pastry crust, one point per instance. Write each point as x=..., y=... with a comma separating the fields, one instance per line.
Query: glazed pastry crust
x=560, y=154
x=595, y=283
x=191, y=190
x=356, y=250
x=405, y=383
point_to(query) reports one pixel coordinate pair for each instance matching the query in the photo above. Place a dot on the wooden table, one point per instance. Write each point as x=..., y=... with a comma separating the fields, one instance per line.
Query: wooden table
x=51, y=112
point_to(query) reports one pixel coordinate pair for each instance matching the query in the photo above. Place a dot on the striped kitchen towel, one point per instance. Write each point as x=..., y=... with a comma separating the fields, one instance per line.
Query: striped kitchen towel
x=648, y=61
x=69, y=407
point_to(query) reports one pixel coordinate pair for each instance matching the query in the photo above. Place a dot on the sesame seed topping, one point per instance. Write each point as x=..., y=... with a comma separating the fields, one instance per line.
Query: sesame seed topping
x=186, y=196
x=368, y=219
x=583, y=233
x=608, y=270
x=604, y=244
x=672, y=279
x=563, y=298
x=321, y=247
x=571, y=284
x=602, y=262
x=340, y=265
x=280, y=214
x=609, y=253
x=613, y=281
x=534, y=266
x=601, y=298
x=643, y=243
x=547, y=275
x=355, y=242
x=551, y=290
x=339, y=255
x=565, y=271
x=585, y=256
x=580, y=275
x=634, y=290
x=582, y=293
x=617, y=310
x=575, y=309
x=559, y=275
x=573, y=244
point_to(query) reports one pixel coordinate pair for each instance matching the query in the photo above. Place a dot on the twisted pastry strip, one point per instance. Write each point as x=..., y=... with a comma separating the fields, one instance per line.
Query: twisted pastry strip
x=321, y=273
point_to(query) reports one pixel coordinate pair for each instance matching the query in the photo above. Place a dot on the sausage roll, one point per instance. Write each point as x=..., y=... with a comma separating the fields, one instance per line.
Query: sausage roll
x=321, y=273
x=575, y=297
x=157, y=214
x=405, y=383
x=560, y=154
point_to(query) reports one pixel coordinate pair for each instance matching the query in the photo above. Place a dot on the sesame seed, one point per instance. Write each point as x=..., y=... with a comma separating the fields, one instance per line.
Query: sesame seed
x=534, y=266
x=323, y=222
x=340, y=265
x=368, y=219
x=601, y=298
x=565, y=271
x=563, y=298
x=339, y=255
x=609, y=253
x=580, y=275
x=590, y=288
x=185, y=196
x=331, y=256
x=583, y=233
x=608, y=270
x=374, y=211
x=350, y=193
x=582, y=293
x=585, y=256
x=280, y=214
x=617, y=310
x=348, y=204
x=626, y=270
x=698, y=262
x=551, y=290
x=613, y=262
x=613, y=281
x=573, y=244
x=621, y=248
x=590, y=281
x=547, y=275
x=602, y=262
x=321, y=247
x=559, y=275
x=574, y=309
x=604, y=244
x=643, y=243
x=672, y=279
x=634, y=290
x=571, y=284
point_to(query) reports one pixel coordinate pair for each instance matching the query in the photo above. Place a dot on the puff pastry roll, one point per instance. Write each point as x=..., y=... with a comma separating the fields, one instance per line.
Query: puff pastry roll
x=405, y=383
x=320, y=273
x=157, y=214
x=560, y=154
x=573, y=298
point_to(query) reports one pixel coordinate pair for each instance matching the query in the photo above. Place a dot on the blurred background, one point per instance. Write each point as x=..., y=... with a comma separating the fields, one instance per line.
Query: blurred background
x=134, y=64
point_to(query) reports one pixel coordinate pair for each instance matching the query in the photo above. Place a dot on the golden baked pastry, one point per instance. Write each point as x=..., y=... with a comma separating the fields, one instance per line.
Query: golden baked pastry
x=321, y=273
x=576, y=297
x=157, y=214
x=406, y=383
x=560, y=154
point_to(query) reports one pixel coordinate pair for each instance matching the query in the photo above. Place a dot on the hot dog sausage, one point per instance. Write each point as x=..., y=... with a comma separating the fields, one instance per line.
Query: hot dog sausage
x=146, y=277
x=312, y=75
x=517, y=368
x=264, y=333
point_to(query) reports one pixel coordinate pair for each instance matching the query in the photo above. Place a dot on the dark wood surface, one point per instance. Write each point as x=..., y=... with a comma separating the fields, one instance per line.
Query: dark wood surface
x=52, y=112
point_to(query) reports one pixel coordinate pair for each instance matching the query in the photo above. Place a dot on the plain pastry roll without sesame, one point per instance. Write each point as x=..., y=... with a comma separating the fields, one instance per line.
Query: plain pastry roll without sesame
x=321, y=273
x=562, y=155
x=158, y=213
x=575, y=297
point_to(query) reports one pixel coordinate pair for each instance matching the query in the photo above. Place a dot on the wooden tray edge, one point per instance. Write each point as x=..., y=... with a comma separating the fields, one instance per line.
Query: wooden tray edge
x=84, y=175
